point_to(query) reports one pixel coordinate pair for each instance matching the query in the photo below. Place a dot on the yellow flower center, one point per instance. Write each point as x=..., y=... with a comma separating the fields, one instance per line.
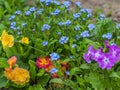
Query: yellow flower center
x=44, y=61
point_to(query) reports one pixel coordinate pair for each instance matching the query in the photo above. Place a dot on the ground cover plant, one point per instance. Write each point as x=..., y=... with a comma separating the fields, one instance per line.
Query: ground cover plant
x=48, y=46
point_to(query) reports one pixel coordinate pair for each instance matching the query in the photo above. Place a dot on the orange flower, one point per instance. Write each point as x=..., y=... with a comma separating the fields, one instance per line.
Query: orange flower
x=17, y=75
x=12, y=61
x=43, y=62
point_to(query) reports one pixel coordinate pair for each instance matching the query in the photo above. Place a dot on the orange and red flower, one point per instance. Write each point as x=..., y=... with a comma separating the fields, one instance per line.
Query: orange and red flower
x=43, y=62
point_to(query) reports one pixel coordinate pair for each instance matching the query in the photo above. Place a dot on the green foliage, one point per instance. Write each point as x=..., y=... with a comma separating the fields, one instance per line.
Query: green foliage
x=71, y=71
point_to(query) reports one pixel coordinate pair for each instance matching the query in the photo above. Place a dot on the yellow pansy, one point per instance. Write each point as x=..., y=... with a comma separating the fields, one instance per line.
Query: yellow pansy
x=25, y=40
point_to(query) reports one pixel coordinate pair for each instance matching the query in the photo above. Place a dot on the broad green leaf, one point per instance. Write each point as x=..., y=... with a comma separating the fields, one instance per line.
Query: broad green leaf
x=115, y=75
x=74, y=70
x=3, y=82
x=32, y=69
x=43, y=80
x=3, y=63
x=40, y=72
x=95, y=81
x=84, y=66
x=57, y=80
x=36, y=87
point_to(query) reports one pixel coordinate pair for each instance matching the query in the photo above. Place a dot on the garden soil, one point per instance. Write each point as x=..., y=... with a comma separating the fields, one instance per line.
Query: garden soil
x=111, y=8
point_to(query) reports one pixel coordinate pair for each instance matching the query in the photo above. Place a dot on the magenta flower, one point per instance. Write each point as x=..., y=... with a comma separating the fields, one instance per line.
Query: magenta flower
x=97, y=55
x=114, y=51
x=106, y=61
x=87, y=56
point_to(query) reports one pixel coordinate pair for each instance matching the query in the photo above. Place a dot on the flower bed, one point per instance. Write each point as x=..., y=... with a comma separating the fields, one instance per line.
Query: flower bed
x=48, y=46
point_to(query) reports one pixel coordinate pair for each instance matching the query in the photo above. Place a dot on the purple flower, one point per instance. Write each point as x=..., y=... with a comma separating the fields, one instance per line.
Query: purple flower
x=87, y=56
x=106, y=61
x=97, y=54
x=114, y=51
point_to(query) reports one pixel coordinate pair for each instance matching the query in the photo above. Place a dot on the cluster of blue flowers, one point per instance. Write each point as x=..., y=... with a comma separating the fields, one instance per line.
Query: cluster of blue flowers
x=76, y=15
x=85, y=34
x=67, y=23
x=56, y=12
x=91, y=26
x=77, y=28
x=63, y=40
x=67, y=4
x=107, y=36
x=45, y=27
x=54, y=56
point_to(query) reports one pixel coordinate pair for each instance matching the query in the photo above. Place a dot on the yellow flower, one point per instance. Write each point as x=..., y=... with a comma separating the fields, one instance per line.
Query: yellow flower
x=25, y=40
x=18, y=75
x=7, y=40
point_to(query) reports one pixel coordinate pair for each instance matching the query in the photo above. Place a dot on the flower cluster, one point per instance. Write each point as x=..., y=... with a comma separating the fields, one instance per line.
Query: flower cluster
x=106, y=60
x=49, y=66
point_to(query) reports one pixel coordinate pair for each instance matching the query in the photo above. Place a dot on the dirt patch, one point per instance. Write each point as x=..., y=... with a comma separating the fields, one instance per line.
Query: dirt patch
x=110, y=8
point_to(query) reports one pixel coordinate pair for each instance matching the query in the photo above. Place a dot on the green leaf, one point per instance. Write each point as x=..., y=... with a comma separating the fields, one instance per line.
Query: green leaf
x=7, y=6
x=32, y=69
x=36, y=87
x=43, y=80
x=3, y=63
x=52, y=42
x=41, y=72
x=3, y=82
x=74, y=70
x=84, y=66
x=115, y=75
x=95, y=81
x=57, y=80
